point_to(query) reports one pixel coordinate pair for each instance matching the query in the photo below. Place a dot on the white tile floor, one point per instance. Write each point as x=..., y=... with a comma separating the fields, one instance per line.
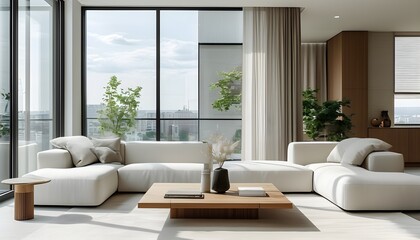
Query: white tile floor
x=119, y=218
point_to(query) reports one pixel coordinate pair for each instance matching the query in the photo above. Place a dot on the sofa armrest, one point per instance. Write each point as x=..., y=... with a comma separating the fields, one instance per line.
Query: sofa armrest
x=384, y=162
x=304, y=153
x=54, y=158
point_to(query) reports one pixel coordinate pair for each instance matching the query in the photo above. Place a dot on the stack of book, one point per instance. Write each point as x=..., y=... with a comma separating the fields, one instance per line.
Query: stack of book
x=184, y=194
x=251, y=192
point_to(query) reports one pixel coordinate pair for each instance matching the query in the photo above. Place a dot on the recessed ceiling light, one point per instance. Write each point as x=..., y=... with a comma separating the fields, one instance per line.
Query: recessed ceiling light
x=336, y=17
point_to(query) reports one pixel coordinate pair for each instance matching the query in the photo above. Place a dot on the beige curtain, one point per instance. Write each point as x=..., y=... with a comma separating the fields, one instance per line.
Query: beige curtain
x=271, y=82
x=314, y=68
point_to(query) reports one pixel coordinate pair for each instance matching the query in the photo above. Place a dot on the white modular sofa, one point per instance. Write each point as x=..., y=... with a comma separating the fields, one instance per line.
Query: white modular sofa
x=379, y=185
x=145, y=163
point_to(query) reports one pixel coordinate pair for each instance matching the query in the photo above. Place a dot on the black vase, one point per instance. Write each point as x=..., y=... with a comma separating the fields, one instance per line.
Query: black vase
x=220, y=180
x=386, y=121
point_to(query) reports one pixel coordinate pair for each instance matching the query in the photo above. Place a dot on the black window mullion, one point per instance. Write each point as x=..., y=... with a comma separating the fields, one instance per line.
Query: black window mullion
x=14, y=88
x=157, y=75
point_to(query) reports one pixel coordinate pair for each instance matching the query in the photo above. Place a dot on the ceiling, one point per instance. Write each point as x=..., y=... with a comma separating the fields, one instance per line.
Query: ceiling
x=318, y=22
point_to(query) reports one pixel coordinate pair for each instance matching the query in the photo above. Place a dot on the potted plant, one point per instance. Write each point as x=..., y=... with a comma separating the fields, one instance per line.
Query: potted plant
x=325, y=119
x=5, y=117
x=222, y=148
x=229, y=86
x=119, y=108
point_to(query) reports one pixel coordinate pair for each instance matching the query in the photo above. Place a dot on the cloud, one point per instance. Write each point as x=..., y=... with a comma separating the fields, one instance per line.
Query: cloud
x=124, y=61
x=116, y=39
x=113, y=57
x=179, y=54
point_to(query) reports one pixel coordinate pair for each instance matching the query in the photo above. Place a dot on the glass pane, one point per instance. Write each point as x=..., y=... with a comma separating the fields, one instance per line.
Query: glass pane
x=145, y=130
x=36, y=76
x=179, y=64
x=121, y=44
x=220, y=26
x=230, y=129
x=4, y=91
x=407, y=109
x=215, y=59
x=407, y=64
x=179, y=130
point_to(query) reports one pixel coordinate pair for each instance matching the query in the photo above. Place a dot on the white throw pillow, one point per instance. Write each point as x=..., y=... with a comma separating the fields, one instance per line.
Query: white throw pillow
x=356, y=153
x=338, y=152
x=78, y=147
x=112, y=143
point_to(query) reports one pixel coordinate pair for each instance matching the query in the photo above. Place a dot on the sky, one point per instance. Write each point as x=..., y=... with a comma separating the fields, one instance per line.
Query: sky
x=123, y=43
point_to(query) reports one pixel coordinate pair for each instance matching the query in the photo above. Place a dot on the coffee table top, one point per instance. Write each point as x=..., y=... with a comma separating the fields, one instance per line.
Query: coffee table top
x=153, y=198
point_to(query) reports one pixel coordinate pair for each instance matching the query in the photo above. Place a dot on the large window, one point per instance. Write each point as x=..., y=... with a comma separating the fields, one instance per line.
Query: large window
x=30, y=83
x=4, y=93
x=174, y=55
x=407, y=80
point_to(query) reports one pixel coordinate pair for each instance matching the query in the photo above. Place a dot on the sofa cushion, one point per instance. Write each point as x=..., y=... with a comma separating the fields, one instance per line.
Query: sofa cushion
x=287, y=177
x=79, y=148
x=384, y=162
x=84, y=186
x=139, y=177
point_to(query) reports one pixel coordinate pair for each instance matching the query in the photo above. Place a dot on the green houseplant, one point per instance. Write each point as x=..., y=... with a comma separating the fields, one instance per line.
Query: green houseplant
x=326, y=118
x=229, y=86
x=5, y=117
x=120, y=108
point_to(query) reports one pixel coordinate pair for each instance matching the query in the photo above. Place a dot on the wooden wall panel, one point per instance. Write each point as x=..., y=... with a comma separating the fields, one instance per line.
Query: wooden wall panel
x=347, y=64
x=334, y=67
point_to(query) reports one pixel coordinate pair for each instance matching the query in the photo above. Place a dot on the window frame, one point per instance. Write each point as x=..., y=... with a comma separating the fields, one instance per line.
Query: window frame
x=158, y=117
x=397, y=35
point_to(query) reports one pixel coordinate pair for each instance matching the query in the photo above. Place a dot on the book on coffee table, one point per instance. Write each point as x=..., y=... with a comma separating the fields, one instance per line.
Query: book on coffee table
x=251, y=192
x=184, y=194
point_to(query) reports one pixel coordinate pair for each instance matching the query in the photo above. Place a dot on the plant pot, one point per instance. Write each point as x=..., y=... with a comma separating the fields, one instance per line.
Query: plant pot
x=220, y=180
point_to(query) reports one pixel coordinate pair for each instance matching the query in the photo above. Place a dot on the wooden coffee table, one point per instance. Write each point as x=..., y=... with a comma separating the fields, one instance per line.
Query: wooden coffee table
x=228, y=205
x=24, y=195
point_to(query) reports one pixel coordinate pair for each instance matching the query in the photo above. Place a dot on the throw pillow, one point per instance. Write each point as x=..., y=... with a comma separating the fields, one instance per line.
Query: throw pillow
x=61, y=142
x=356, y=153
x=112, y=143
x=338, y=152
x=106, y=154
x=80, y=152
x=78, y=147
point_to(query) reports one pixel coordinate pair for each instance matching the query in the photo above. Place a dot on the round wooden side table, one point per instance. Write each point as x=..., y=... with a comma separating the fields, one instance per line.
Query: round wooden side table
x=24, y=195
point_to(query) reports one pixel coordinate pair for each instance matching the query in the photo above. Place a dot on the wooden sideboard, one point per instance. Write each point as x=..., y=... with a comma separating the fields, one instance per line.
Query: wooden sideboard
x=405, y=140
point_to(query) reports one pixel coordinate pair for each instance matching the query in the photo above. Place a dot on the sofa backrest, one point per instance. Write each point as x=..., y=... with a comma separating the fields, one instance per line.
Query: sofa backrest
x=166, y=152
x=304, y=153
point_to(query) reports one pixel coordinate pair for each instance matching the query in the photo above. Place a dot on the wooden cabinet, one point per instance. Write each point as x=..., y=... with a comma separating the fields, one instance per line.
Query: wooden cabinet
x=404, y=140
x=347, y=76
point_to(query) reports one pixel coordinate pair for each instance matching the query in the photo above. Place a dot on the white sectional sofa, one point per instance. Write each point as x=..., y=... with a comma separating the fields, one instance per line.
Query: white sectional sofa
x=306, y=170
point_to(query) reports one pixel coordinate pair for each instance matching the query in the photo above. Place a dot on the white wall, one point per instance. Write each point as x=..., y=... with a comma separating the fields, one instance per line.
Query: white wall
x=73, y=92
x=380, y=74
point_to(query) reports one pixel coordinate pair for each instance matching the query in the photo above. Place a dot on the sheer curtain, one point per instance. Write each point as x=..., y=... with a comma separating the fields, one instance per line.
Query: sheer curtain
x=314, y=68
x=272, y=89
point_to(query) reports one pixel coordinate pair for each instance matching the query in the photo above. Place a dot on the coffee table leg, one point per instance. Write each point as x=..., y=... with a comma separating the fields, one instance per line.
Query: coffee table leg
x=24, y=202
